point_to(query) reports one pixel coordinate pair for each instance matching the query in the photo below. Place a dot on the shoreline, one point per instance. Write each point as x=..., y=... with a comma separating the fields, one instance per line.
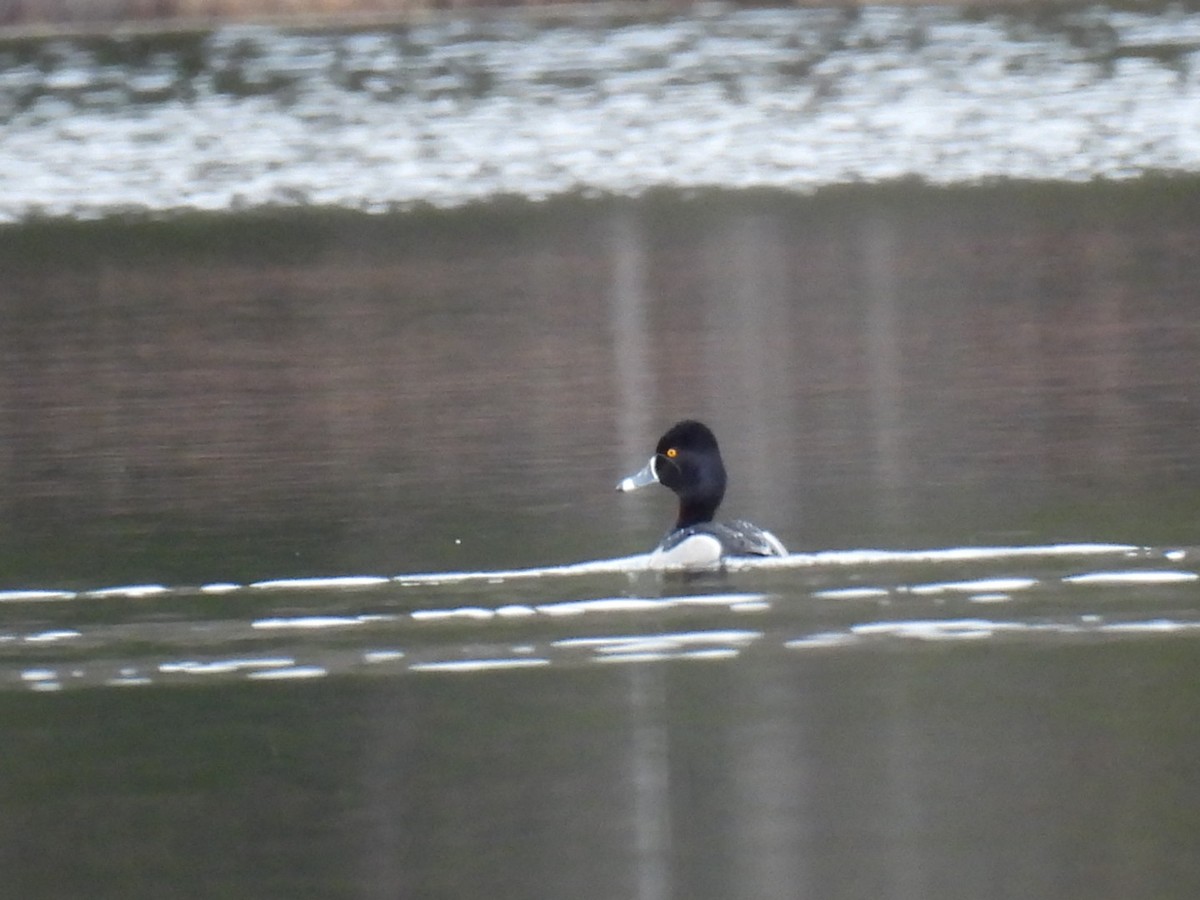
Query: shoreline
x=123, y=18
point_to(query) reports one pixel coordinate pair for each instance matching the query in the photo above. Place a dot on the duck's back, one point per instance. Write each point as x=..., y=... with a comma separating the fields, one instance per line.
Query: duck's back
x=742, y=538
x=709, y=542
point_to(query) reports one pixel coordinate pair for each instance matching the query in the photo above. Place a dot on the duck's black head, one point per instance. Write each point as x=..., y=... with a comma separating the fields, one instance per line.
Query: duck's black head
x=688, y=461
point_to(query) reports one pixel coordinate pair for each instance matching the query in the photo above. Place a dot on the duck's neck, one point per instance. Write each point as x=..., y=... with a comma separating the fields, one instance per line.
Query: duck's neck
x=695, y=512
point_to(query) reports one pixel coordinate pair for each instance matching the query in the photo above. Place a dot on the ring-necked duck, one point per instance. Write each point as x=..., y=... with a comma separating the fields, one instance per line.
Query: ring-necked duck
x=688, y=461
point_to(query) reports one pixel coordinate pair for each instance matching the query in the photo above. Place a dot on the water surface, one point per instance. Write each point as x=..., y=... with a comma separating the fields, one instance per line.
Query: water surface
x=908, y=738
x=288, y=500
x=312, y=577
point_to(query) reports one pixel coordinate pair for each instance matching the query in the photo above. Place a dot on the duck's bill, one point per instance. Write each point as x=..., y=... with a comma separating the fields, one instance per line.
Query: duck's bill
x=646, y=476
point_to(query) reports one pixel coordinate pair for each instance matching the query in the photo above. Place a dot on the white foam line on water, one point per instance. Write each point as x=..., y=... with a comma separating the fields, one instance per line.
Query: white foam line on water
x=479, y=665
x=750, y=606
x=633, y=658
x=596, y=567
x=313, y=622
x=46, y=637
x=714, y=599
x=663, y=649
x=623, y=565
x=295, y=672
x=224, y=666
x=128, y=590
x=642, y=562
x=35, y=596
x=748, y=601
x=710, y=653
x=855, y=593
x=948, y=554
x=820, y=639
x=461, y=612
x=994, y=597
x=979, y=585
x=650, y=644
x=128, y=681
x=605, y=604
x=937, y=629
x=1132, y=577
x=976, y=629
x=338, y=582
x=920, y=629
x=220, y=587
x=644, y=656
x=639, y=604
x=382, y=656
x=674, y=640
x=1151, y=626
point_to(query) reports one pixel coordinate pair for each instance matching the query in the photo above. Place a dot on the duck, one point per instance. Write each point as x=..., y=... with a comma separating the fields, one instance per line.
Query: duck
x=687, y=460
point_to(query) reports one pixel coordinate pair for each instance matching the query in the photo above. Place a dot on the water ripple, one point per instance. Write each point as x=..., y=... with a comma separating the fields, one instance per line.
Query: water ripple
x=601, y=612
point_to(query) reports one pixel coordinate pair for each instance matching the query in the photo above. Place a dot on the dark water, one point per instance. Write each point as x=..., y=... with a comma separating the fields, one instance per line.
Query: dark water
x=197, y=404
x=993, y=772
x=278, y=396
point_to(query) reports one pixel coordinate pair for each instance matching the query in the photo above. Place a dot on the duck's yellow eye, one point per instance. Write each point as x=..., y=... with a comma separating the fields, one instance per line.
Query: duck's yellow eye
x=672, y=453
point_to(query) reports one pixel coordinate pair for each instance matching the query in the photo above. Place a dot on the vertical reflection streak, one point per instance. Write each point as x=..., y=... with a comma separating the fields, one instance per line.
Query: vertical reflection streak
x=883, y=366
x=903, y=825
x=1117, y=421
x=628, y=302
x=750, y=336
x=387, y=861
x=773, y=820
x=748, y=293
x=651, y=782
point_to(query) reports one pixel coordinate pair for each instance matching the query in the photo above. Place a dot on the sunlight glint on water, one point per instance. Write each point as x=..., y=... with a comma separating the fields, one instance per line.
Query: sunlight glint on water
x=548, y=617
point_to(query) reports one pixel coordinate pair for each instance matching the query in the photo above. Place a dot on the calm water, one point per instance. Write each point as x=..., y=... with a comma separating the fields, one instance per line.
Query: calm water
x=313, y=582
x=288, y=498
x=234, y=399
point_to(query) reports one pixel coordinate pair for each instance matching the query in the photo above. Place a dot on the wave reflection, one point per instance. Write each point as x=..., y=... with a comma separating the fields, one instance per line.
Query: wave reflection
x=602, y=612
